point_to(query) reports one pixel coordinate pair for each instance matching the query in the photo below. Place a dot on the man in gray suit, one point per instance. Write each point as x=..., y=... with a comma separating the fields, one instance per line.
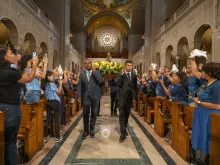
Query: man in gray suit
x=89, y=94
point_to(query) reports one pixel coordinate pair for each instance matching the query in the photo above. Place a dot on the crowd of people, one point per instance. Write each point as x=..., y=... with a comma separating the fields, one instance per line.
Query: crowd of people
x=194, y=86
x=25, y=79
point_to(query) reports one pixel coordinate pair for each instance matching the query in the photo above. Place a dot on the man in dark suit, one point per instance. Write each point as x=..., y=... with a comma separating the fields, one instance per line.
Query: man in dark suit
x=127, y=91
x=89, y=94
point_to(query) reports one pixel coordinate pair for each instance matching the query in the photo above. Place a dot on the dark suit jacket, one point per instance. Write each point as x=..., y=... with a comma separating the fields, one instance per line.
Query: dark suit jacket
x=127, y=90
x=89, y=91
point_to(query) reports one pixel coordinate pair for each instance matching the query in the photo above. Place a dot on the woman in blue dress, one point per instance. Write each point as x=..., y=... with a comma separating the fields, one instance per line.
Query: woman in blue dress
x=177, y=91
x=208, y=102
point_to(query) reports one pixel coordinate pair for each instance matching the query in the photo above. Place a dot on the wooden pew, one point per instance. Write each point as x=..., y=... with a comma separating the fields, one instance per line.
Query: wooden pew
x=2, y=136
x=143, y=103
x=140, y=102
x=28, y=132
x=39, y=109
x=151, y=105
x=67, y=100
x=160, y=121
x=74, y=105
x=135, y=105
x=182, y=119
x=215, y=139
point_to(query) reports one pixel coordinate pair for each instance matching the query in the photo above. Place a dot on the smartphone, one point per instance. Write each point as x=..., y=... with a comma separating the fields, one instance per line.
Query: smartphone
x=196, y=95
x=34, y=54
x=45, y=55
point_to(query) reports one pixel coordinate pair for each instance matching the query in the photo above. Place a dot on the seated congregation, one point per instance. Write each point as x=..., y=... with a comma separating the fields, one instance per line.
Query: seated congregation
x=184, y=108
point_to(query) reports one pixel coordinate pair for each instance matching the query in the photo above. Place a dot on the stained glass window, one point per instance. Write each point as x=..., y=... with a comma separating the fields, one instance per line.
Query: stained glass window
x=107, y=39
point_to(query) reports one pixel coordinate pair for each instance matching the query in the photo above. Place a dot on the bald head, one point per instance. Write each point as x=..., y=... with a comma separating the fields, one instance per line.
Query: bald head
x=88, y=64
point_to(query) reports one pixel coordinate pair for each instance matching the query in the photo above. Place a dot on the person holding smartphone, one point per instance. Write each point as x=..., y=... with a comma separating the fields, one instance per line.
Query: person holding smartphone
x=10, y=83
x=33, y=90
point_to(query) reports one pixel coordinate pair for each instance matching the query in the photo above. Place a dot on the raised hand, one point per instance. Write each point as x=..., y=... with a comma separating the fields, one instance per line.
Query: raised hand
x=122, y=71
x=35, y=61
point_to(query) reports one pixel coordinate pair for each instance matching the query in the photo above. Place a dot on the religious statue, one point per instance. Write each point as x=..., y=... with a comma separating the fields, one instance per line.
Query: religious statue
x=109, y=57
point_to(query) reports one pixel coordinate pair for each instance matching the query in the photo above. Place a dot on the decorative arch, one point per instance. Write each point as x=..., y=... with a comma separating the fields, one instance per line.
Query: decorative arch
x=183, y=52
x=107, y=13
x=203, y=39
x=29, y=43
x=169, y=57
x=9, y=32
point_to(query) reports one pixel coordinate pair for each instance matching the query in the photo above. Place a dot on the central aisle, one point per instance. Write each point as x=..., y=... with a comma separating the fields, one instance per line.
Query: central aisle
x=139, y=148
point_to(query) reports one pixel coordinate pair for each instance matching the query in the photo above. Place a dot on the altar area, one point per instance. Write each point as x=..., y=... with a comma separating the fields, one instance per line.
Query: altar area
x=109, y=68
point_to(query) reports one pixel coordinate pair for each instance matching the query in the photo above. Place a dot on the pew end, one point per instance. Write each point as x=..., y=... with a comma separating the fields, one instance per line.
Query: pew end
x=2, y=136
x=151, y=104
x=28, y=132
x=182, y=124
x=215, y=139
x=161, y=122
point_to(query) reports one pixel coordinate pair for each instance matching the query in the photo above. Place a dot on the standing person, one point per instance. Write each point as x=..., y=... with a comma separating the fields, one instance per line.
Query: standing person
x=113, y=94
x=10, y=83
x=53, y=104
x=127, y=90
x=193, y=85
x=89, y=94
x=208, y=101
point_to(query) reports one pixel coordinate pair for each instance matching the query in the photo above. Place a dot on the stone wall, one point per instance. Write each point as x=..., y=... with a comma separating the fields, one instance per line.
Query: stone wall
x=190, y=19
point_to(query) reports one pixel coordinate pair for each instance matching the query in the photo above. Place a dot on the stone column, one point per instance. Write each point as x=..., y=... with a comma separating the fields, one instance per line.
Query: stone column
x=148, y=35
x=65, y=32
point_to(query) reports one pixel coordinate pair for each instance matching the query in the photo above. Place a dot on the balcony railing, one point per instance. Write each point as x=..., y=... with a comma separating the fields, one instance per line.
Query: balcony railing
x=182, y=9
x=187, y=6
x=32, y=5
x=169, y=21
x=44, y=17
x=39, y=14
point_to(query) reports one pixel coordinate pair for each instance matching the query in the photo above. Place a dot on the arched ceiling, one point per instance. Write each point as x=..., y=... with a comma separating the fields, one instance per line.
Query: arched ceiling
x=107, y=21
x=108, y=4
x=122, y=7
x=129, y=15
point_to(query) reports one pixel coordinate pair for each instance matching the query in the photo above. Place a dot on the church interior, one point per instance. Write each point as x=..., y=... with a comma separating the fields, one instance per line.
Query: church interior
x=108, y=33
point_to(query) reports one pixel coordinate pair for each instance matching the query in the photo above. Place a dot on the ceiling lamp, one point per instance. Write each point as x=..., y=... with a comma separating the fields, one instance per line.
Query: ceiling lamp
x=108, y=3
x=107, y=39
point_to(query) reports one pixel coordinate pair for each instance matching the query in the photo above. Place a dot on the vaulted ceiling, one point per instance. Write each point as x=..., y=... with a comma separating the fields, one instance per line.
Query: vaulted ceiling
x=126, y=15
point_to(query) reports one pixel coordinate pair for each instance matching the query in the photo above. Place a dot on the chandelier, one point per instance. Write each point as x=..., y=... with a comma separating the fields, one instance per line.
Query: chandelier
x=107, y=39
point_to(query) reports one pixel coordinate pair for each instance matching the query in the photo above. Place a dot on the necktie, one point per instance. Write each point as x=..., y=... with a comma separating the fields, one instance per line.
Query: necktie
x=88, y=75
x=129, y=76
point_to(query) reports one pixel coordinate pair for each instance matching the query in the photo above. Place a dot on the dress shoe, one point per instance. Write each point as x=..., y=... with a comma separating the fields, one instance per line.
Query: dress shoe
x=115, y=113
x=92, y=134
x=111, y=113
x=84, y=135
x=122, y=139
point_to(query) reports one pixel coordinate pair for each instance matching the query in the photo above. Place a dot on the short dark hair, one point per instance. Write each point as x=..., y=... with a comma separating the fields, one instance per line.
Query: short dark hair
x=212, y=69
x=128, y=61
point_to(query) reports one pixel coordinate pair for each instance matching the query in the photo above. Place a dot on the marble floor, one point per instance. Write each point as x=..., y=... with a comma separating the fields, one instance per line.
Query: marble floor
x=142, y=147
